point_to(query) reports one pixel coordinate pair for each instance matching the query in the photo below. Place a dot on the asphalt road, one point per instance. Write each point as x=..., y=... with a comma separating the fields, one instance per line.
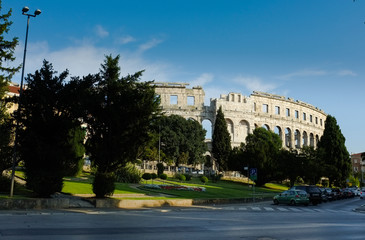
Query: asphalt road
x=261, y=221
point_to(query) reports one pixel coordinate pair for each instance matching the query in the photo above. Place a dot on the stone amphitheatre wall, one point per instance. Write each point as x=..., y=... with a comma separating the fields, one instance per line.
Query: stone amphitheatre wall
x=297, y=123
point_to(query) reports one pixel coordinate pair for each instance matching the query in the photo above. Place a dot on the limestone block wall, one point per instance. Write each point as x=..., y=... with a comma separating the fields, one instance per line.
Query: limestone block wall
x=297, y=123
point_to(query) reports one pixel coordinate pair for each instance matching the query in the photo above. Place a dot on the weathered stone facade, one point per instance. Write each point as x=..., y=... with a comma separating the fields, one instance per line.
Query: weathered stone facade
x=297, y=123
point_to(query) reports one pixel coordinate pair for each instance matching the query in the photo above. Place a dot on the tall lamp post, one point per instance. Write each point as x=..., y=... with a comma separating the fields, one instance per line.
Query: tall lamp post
x=24, y=12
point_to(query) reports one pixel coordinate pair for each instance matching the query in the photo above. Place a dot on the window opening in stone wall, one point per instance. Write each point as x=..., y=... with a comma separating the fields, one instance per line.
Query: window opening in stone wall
x=288, y=112
x=321, y=122
x=277, y=110
x=265, y=108
x=254, y=107
x=304, y=116
x=191, y=100
x=310, y=118
x=288, y=137
x=297, y=138
x=173, y=99
x=316, y=120
x=296, y=114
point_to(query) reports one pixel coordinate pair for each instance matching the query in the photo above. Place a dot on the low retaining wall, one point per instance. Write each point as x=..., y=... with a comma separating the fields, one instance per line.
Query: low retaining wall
x=37, y=203
x=135, y=204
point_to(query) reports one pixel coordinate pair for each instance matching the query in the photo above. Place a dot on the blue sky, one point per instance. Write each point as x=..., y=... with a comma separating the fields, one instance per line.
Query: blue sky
x=310, y=50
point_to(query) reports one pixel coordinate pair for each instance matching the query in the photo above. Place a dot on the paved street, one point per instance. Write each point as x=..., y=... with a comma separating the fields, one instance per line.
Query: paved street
x=262, y=221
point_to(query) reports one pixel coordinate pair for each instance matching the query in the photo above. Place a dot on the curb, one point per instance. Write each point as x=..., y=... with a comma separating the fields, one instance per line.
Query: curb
x=65, y=203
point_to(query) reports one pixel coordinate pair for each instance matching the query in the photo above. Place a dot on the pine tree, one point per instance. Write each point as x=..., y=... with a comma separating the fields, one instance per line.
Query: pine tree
x=333, y=153
x=221, y=142
x=6, y=73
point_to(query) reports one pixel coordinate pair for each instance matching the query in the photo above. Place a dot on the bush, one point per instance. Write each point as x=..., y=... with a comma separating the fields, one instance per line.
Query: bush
x=128, y=174
x=4, y=184
x=103, y=184
x=181, y=177
x=188, y=177
x=146, y=176
x=160, y=168
x=163, y=176
x=44, y=182
x=215, y=177
x=204, y=179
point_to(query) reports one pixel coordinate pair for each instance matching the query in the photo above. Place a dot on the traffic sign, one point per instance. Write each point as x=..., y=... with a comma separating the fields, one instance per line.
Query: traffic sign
x=253, y=174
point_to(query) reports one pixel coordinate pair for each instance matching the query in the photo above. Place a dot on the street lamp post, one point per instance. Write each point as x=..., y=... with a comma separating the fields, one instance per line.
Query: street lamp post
x=24, y=12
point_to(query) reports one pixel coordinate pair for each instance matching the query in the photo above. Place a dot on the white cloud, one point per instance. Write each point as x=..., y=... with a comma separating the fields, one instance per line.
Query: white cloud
x=150, y=44
x=101, y=32
x=346, y=73
x=254, y=84
x=86, y=58
x=303, y=73
x=202, y=80
x=125, y=39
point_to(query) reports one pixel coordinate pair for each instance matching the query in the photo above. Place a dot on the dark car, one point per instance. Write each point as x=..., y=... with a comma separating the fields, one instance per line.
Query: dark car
x=315, y=195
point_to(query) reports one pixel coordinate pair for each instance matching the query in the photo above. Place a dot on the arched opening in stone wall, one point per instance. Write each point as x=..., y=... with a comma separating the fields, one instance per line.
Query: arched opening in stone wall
x=311, y=140
x=243, y=131
x=297, y=138
x=266, y=127
x=288, y=138
x=317, y=140
x=256, y=126
x=230, y=128
x=277, y=130
x=305, y=139
x=208, y=126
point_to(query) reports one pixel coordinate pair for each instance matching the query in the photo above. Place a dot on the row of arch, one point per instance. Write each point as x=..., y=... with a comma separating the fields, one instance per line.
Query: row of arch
x=290, y=138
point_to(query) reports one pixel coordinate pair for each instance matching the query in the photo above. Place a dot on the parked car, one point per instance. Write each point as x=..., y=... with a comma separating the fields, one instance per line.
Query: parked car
x=324, y=194
x=292, y=197
x=313, y=191
x=339, y=194
x=330, y=194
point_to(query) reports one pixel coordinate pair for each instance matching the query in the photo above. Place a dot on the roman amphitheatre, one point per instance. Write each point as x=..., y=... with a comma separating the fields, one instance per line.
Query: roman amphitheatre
x=297, y=123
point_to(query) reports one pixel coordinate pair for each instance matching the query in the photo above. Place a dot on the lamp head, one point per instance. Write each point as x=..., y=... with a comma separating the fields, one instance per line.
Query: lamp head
x=37, y=12
x=25, y=9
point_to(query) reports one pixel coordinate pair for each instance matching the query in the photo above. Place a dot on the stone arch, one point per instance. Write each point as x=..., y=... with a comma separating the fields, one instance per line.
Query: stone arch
x=279, y=132
x=208, y=126
x=230, y=128
x=297, y=138
x=267, y=127
x=311, y=139
x=288, y=134
x=305, y=139
x=317, y=139
x=244, y=130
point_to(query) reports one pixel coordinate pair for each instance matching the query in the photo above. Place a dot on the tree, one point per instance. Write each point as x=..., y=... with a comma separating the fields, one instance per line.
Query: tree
x=119, y=115
x=262, y=150
x=49, y=134
x=6, y=73
x=182, y=139
x=333, y=153
x=221, y=141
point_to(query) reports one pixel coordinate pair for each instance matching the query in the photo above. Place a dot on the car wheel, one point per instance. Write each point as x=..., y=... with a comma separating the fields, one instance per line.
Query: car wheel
x=292, y=202
x=276, y=202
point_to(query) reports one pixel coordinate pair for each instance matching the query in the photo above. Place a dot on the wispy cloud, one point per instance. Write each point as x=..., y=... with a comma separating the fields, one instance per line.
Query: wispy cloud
x=303, y=73
x=125, y=39
x=101, y=32
x=346, y=73
x=254, y=84
x=148, y=45
x=202, y=80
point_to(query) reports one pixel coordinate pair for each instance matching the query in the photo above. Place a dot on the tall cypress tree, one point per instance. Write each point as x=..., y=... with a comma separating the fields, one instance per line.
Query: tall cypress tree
x=6, y=73
x=221, y=142
x=333, y=153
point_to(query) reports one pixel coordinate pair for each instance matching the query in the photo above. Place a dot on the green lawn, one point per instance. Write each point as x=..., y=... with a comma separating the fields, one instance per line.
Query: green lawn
x=221, y=189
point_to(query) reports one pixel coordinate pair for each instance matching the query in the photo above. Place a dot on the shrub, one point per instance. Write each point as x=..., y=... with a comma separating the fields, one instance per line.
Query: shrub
x=128, y=174
x=163, y=176
x=215, y=177
x=181, y=177
x=204, y=179
x=103, y=184
x=188, y=177
x=4, y=184
x=160, y=168
x=146, y=176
